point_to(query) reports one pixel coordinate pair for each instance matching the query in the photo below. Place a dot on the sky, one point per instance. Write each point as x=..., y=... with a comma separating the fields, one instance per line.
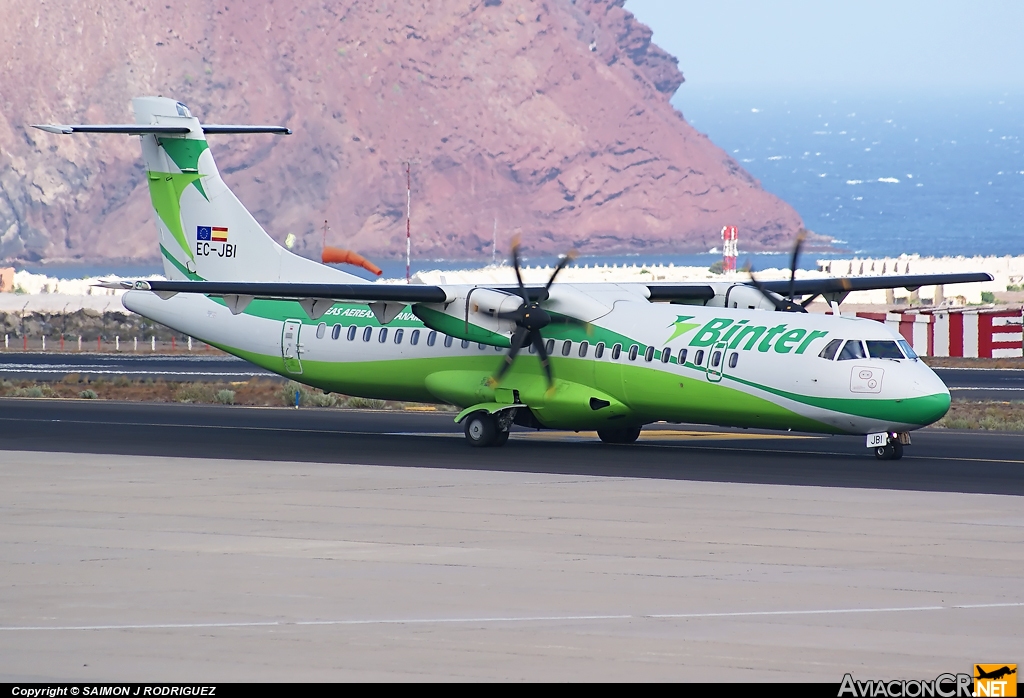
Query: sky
x=934, y=45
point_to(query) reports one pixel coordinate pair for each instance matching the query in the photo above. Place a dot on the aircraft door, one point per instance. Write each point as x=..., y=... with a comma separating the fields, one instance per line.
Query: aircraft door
x=290, y=346
x=716, y=362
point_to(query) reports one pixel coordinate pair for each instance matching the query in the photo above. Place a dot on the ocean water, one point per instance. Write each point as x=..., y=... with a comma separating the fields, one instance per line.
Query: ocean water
x=881, y=174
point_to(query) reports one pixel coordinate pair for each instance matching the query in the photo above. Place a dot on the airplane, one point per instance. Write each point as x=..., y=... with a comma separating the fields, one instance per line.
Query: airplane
x=994, y=674
x=604, y=357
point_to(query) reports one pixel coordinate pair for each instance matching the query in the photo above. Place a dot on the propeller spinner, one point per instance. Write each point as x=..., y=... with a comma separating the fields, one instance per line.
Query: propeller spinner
x=530, y=319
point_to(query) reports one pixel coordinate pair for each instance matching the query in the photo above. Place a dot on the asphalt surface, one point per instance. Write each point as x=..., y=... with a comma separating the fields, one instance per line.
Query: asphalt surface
x=938, y=460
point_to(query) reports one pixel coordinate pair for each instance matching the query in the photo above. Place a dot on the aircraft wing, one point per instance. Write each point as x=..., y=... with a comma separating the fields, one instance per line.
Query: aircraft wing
x=804, y=287
x=393, y=293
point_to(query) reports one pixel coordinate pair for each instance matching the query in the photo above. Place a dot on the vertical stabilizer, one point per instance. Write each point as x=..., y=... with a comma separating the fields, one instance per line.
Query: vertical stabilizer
x=205, y=231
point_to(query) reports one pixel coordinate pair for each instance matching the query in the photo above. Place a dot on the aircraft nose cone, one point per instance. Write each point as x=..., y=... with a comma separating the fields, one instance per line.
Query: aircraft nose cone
x=935, y=399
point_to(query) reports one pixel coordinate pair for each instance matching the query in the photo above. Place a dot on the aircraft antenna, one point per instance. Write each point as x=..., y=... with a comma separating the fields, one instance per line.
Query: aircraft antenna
x=408, y=219
x=494, y=244
x=325, y=233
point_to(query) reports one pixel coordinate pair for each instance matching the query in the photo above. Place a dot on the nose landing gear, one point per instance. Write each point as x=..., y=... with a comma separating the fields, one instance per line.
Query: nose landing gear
x=888, y=446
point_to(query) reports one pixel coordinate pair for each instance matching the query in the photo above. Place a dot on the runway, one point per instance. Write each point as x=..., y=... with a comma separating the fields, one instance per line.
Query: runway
x=174, y=543
x=964, y=383
x=171, y=367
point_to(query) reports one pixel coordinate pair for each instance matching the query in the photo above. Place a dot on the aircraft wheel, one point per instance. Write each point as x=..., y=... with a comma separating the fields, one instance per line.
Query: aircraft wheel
x=619, y=436
x=897, y=450
x=502, y=438
x=481, y=430
x=886, y=452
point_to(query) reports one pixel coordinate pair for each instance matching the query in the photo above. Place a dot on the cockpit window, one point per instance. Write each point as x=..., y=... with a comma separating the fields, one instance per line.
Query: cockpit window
x=884, y=349
x=853, y=350
x=908, y=350
x=829, y=352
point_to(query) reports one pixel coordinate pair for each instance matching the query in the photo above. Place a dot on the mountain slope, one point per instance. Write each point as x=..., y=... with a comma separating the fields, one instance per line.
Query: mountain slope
x=549, y=117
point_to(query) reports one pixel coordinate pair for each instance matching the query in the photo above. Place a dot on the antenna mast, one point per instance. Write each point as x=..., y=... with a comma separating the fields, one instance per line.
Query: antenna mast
x=325, y=233
x=494, y=243
x=408, y=218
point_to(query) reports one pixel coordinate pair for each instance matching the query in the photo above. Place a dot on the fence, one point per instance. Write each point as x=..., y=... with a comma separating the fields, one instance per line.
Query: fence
x=971, y=333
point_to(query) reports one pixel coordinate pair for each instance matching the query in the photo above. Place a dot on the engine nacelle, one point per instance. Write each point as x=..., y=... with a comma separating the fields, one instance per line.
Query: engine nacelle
x=472, y=315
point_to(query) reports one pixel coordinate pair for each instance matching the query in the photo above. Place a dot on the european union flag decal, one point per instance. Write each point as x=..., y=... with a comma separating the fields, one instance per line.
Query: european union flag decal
x=203, y=232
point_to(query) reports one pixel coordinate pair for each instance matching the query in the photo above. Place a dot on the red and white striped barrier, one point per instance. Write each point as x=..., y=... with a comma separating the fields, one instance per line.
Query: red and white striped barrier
x=972, y=333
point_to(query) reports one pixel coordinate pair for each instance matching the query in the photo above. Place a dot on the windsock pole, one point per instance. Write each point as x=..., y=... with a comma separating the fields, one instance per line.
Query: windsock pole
x=408, y=219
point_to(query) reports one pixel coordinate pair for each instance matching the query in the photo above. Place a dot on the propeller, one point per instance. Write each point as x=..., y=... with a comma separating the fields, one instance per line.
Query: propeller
x=530, y=319
x=787, y=304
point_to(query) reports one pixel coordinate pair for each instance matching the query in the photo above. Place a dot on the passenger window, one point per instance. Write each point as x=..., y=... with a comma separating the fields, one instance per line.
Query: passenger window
x=465, y=344
x=431, y=338
x=698, y=358
x=367, y=334
x=884, y=349
x=414, y=338
x=633, y=349
x=481, y=346
x=733, y=359
x=566, y=347
x=447, y=341
x=616, y=350
x=829, y=352
x=853, y=350
x=321, y=330
x=599, y=350
x=532, y=349
x=352, y=333
x=666, y=355
x=549, y=347
x=335, y=331
x=908, y=350
x=682, y=357
x=383, y=335
x=716, y=358
x=398, y=336
x=583, y=349
x=649, y=354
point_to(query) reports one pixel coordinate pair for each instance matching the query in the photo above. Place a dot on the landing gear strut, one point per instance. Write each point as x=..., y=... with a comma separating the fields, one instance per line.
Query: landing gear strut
x=892, y=449
x=619, y=436
x=483, y=430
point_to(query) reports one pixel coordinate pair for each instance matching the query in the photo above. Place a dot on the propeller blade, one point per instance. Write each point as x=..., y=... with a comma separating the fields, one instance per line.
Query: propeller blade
x=542, y=353
x=518, y=339
x=562, y=264
x=801, y=236
x=515, y=265
x=764, y=292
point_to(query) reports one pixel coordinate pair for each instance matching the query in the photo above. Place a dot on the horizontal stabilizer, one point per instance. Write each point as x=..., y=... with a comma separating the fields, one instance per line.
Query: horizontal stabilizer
x=159, y=129
x=130, y=129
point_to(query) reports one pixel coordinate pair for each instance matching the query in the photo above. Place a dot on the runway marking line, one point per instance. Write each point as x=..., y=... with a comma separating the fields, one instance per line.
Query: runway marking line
x=510, y=619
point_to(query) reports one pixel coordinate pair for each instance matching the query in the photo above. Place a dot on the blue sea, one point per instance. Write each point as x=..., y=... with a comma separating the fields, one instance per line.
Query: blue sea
x=881, y=174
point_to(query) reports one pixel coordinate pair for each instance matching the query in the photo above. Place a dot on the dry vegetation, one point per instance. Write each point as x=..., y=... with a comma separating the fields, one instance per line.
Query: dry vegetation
x=988, y=415
x=255, y=392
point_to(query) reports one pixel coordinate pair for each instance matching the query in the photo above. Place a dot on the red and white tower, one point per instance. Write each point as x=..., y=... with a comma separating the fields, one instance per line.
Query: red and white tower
x=730, y=248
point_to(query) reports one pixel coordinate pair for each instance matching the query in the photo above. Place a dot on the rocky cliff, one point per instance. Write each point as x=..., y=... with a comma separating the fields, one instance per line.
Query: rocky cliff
x=545, y=117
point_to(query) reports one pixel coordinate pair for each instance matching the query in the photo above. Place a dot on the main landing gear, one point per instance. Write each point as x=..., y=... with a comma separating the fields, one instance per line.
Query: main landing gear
x=619, y=436
x=483, y=430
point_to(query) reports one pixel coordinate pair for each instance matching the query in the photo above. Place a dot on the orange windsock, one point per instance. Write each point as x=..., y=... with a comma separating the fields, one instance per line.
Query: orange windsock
x=336, y=255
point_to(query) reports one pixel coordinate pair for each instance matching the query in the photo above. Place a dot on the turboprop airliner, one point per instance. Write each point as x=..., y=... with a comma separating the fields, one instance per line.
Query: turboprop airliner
x=604, y=357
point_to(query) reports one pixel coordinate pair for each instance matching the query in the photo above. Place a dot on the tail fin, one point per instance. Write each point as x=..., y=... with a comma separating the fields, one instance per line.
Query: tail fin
x=205, y=231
